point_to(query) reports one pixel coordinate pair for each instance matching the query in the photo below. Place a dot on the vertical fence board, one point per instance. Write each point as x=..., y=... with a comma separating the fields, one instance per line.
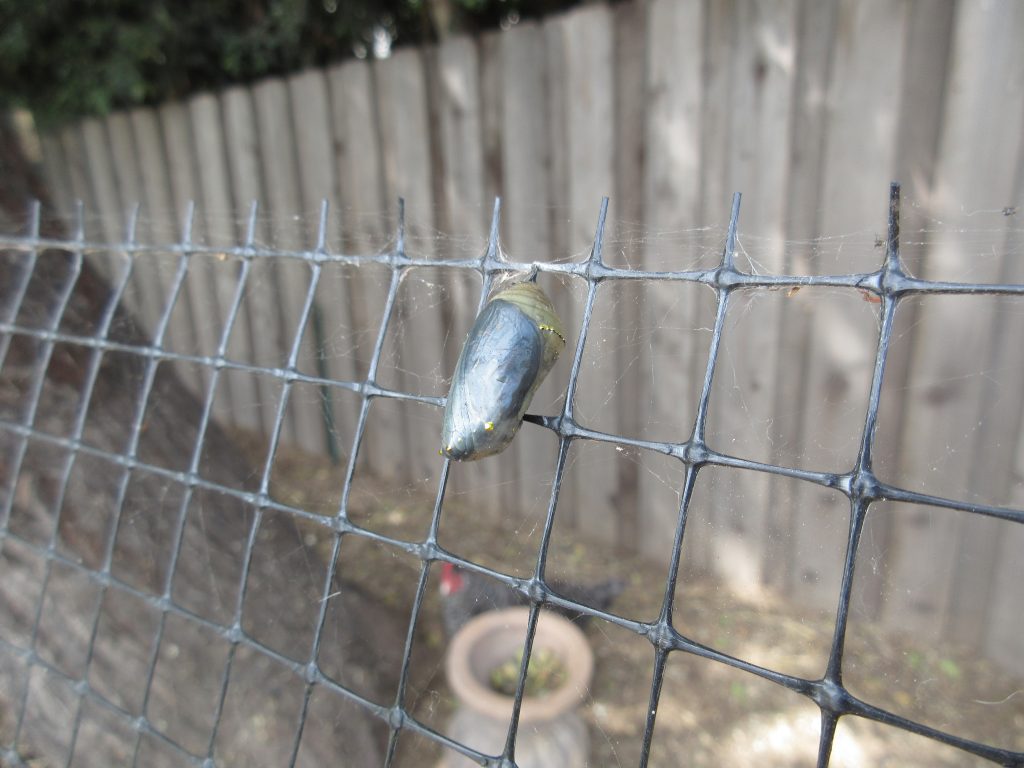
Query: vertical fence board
x=143, y=300
x=106, y=206
x=671, y=201
x=318, y=182
x=362, y=188
x=520, y=77
x=816, y=23
x=494, y=136
x=589, y=45
x=627, y=205
x=157, y=270
x=958, y=334
x=212, y=178
x=492, y=94
x=713, y=205
x=547, y=399
x=405, y=143
x=525, y=156
x=124, y=163
x=923, y=79
x=466, y=213
x=744, y=390
x=1003, y=626
x=996, y=622
x=1002, y=351
x=243, y=158
x=105, y=209
x=260, y=329
x=181, y=161
x=281, y=191
x=84, y=150
x=460, y=113
x=869, y=48
x=238, y=393
x=55, y=170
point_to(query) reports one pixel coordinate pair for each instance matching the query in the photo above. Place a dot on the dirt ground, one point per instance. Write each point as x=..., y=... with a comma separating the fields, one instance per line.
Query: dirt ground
x=710, y=714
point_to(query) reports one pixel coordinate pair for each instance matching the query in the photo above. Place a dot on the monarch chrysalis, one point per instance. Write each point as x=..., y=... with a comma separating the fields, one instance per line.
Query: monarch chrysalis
x=514, y=342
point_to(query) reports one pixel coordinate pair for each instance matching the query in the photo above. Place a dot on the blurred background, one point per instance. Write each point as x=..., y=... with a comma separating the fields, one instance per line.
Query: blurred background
x=809, y=109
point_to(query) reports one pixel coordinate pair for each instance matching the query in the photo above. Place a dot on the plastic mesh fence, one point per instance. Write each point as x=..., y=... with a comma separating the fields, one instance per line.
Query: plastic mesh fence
x=890, y=284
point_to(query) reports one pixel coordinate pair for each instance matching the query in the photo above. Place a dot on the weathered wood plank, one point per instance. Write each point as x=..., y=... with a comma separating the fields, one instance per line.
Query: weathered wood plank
x=291, y=223
x=720, y=40
x=318, y=182
x=816, y=30
x=237, y=397
x=953, y=423
x=743, y=395
x=1003, y=630
x=55, y=170
x=416, y=332
x=103, y=214
x=158, y=269
x=1002, y=625
x=261, y=337
x=141, y=298
x=843, y=333
x=196, y=296
x=671, y=194
x=362, y=198
x=590, y=122
x=124, y=162
x=520, y=78
x=466, y=219
x=106, y=207
x=925, y=63
x=627, y=210
x=500, y=475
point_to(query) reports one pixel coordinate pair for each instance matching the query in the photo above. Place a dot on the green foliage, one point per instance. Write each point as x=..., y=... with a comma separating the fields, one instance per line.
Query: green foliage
x=68, y=58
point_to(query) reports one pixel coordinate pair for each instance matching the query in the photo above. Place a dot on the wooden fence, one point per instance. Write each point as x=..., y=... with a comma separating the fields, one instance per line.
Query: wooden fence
x=807, y=108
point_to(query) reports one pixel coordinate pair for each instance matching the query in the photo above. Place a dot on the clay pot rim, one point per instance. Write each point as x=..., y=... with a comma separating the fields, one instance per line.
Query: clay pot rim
x=574, y=651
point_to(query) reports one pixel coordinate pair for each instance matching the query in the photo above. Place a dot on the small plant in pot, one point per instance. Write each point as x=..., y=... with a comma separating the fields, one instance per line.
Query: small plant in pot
x=482, y=665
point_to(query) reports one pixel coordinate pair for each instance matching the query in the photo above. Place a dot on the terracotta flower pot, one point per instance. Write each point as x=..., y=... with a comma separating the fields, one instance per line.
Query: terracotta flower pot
x=551, y=733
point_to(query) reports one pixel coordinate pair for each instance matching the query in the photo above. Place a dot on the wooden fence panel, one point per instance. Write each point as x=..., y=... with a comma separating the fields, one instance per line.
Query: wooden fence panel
x=675, y=51
x=55, y=171
x=869, y=48
x=467, y=217
x=362, y=188
x=809, y=109
x=955, y=343
x=106, y=206
x=138, y=297
x=237, y=396
x=416, y=335
x=743, y=397
x=1003, y=624
x=521, y=77
x=625, y=250
x=78, y=175
x=590, y=125
x=80, y=167
x=156, y=270
x=924, y=75
x=273, y=110
x=260, y=328
x=196, y=301
x=816, y=31
x=318, y=182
